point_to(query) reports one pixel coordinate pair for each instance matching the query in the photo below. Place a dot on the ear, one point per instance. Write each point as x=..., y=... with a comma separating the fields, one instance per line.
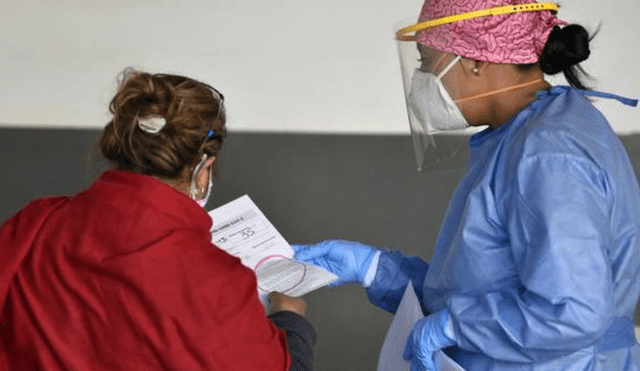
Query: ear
x=205, y=169
x=210, y=161
x=479, y=68
x=202, y=178
x=474, y=67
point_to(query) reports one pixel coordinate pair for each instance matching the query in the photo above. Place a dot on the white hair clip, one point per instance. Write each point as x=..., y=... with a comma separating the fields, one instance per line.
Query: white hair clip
x=152, y=124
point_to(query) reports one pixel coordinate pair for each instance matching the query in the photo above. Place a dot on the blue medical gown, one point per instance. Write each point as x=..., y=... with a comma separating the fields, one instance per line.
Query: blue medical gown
x=538, y=257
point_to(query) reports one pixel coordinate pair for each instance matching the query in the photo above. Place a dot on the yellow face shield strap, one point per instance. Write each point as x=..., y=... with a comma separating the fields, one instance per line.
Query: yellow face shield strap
x=508, y=9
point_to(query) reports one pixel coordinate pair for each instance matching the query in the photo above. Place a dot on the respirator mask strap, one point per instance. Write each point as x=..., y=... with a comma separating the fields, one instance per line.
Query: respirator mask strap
x=449, y=66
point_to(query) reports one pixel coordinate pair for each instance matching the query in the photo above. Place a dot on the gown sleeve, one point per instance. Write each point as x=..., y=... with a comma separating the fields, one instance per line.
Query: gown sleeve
x=392, y=277
x=558, y=225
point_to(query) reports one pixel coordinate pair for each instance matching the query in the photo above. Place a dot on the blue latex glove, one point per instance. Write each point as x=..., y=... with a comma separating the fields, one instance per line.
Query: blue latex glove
x=348, y=260
x=429, y=335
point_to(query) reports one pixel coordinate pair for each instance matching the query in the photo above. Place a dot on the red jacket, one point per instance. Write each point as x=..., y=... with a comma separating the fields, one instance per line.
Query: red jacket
x=123, y=276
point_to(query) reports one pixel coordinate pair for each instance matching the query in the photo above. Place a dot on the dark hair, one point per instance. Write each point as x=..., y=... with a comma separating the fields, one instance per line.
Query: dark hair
x=194, y=116
x=566, y=47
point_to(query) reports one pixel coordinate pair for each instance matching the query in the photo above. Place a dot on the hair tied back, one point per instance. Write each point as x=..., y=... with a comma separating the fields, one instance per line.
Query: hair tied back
x=152, y=124
x=565, y=48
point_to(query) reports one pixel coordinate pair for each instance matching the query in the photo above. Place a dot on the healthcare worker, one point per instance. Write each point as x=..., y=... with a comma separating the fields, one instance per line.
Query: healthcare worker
x=537, y=263
x=123, y=275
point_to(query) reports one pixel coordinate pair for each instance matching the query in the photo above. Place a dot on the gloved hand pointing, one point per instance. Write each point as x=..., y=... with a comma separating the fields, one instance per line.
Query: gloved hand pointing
x=348, y=260
x=429, y=335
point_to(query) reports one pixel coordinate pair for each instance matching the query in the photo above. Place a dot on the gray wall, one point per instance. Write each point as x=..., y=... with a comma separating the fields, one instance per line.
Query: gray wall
x=311, y=187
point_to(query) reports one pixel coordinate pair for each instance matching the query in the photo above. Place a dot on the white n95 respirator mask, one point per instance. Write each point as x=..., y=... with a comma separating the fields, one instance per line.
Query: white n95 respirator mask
x=431, y=103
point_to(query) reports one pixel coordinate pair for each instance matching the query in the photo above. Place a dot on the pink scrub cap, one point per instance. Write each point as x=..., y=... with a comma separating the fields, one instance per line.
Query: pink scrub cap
x=516, y=38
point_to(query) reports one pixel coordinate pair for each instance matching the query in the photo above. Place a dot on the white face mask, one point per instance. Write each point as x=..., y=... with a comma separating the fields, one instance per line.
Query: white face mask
x=431, y=103
x=193, y=188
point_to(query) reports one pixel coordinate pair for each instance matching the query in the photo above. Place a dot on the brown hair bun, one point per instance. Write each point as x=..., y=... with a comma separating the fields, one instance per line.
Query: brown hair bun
x=189, y=116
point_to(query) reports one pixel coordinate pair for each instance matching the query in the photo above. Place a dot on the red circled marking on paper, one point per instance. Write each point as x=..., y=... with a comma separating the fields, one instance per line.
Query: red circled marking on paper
x=266, y=258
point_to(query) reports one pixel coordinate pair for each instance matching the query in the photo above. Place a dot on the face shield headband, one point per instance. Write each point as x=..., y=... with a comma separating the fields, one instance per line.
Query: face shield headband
x=401, y=34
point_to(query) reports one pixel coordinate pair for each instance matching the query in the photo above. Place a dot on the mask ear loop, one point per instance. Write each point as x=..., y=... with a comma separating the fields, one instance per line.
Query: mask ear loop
x=209, y=186
x=193, y=192
x=446, y=69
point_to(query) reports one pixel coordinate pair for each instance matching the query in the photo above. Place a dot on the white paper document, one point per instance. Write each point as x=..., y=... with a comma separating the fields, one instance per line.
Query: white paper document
x=408, y=313
x=241, y=229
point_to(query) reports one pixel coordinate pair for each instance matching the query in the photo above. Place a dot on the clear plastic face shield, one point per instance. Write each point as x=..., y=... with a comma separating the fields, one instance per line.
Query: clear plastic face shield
x=439, y=130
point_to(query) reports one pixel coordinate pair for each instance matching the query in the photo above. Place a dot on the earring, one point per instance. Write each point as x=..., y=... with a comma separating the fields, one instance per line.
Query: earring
x=475, y=70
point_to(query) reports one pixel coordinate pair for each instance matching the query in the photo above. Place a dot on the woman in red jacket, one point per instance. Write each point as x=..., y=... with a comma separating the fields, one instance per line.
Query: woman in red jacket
x=123, y=276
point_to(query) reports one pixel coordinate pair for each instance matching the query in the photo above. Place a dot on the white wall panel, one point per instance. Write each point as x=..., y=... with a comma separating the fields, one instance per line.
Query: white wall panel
x=284, y=65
